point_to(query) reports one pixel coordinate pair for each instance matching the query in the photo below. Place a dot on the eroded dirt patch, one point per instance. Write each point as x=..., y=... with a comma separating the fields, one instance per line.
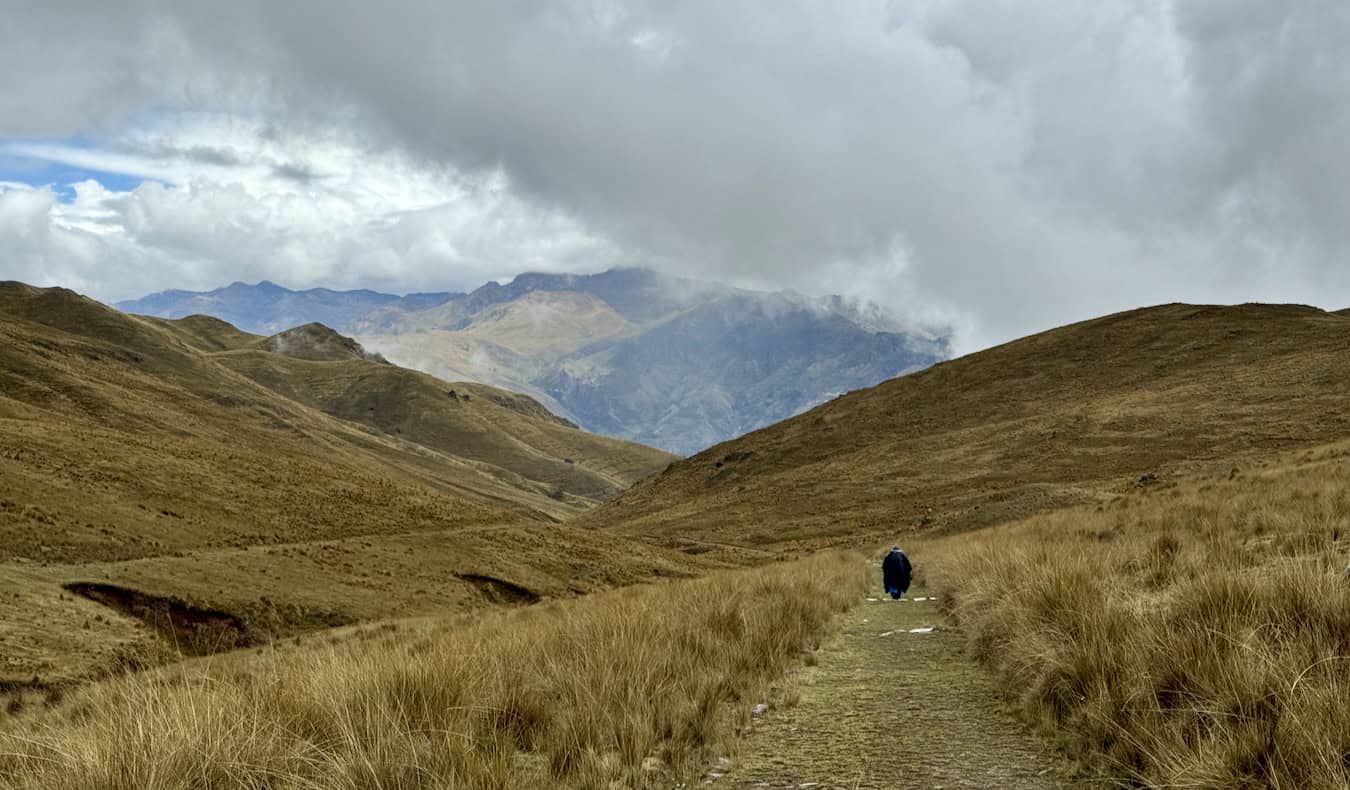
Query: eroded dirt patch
x=193, y=630
x=500, y=591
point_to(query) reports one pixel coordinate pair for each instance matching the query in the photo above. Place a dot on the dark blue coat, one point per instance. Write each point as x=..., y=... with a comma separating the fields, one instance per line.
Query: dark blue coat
x=897, y=573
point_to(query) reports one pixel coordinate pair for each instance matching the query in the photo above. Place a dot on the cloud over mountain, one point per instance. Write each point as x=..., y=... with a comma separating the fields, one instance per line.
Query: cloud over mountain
x=1002, y=166
x=672, y=363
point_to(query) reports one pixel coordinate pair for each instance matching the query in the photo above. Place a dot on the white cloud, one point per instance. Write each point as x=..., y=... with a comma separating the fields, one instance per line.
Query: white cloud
x=1004, y=165
x=234, y=200
x=39, y=250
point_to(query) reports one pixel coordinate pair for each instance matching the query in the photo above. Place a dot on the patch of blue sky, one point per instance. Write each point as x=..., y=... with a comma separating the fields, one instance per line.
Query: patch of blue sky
x=23, y=162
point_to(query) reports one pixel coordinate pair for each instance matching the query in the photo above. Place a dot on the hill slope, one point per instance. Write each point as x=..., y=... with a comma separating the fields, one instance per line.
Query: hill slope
x=1054, y=419
x=514, y=438
x=178, y=468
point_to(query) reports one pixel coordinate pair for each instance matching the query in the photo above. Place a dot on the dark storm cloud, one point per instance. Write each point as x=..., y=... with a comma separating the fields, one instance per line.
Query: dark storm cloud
x=291, y=171
x=1007, y=165
x=206, y=154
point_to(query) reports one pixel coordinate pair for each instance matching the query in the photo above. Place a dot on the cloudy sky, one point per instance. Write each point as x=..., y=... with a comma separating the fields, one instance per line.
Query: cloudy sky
x=1001, y=166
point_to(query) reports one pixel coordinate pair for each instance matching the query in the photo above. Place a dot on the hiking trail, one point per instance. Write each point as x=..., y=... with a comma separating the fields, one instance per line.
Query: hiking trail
x=889, y=707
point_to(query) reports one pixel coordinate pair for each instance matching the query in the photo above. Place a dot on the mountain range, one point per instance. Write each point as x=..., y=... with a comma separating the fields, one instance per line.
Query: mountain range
x=665, y=361
x=267, y=308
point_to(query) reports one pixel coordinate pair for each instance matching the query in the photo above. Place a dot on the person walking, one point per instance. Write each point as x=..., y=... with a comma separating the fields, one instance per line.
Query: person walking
x=896, y=573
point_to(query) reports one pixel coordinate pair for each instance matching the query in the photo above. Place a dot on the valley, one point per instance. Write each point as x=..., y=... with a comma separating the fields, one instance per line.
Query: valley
x=185, y=500
x=674, y=396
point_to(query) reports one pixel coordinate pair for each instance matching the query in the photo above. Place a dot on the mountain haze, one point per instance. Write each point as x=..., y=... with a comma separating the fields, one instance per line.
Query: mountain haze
x=1070, y=416
x=665, y=361
x=267, y=308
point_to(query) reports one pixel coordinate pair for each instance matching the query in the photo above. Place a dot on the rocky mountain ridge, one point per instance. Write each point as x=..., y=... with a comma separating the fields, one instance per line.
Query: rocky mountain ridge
x=666, y=361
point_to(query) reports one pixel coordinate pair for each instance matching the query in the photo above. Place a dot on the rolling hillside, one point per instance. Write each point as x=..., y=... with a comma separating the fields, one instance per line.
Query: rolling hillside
x=1064, y=417
x=554, y=467
x=180, y=470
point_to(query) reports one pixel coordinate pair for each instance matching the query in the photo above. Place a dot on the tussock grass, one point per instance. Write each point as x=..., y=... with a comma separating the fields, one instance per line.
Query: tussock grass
x=576, y=694
x=1193, y=636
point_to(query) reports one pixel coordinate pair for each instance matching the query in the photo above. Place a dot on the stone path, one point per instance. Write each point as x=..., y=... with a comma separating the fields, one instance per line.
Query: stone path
x=889, y=707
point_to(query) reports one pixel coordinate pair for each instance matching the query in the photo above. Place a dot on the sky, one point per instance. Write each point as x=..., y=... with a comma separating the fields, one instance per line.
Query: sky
x=996, y=167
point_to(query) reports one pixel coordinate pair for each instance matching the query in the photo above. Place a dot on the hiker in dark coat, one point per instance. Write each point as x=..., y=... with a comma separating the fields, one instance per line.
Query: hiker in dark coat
x=896, y=573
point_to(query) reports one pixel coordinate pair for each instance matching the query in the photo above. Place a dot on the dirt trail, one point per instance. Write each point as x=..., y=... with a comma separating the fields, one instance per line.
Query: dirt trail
x=887, y=708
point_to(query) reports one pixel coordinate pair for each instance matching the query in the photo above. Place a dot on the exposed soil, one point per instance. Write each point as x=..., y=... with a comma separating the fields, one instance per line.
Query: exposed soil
x=885, y=707
x=193, y=630
x=500, y=591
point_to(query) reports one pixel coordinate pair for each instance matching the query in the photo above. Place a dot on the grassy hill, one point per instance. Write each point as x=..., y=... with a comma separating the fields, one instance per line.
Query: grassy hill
x=177, y=478
x=1065, y=417
x=551, y=465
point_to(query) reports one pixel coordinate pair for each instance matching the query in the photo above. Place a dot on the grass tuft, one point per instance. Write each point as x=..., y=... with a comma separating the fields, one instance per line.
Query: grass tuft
x=1192, y=636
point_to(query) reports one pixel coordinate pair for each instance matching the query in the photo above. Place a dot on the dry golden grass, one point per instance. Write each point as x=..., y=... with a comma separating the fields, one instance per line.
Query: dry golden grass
x=510, y=437
x=181, y=460
x=575, y=694
x=293, y=589
x=1195, y=635
x=537, y=458
x=1065, y=417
